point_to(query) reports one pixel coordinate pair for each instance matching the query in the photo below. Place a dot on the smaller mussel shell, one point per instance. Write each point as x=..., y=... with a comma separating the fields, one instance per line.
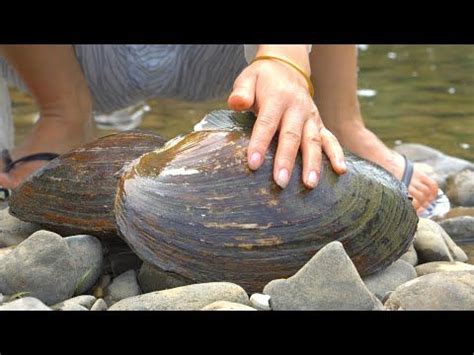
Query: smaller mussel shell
x=75, y=193
x=194, y=208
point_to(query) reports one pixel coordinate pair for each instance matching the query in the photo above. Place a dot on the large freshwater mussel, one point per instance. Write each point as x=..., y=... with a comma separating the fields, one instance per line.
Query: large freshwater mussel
x=193, y=208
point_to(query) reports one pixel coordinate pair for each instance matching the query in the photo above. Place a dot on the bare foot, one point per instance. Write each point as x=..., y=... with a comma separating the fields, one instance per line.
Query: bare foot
x=50, y=134
x=366, y=144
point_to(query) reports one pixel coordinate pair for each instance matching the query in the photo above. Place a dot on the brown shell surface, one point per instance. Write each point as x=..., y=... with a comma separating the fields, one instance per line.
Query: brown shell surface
x=195, y=209
x=75, y=193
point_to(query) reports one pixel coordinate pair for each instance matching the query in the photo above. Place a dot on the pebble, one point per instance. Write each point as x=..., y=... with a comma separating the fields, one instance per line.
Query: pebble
x=389, y=279
x=460, y=188
x=227, y=306
x=87, y=253
x=260, y=301
x=429, y=242
x=84, y=301
x=13, y=231
x=25, y=304
x=440, y=266
x=461, y=229
x=436, y=291
x=123, y=286
x=43, y=266
x=410, y=256
x=151, y=278
x=329, y=281
x=99, y=305
x=190, y=297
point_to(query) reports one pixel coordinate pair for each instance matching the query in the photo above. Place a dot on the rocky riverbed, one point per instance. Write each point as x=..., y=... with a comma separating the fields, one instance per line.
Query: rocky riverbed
x=41, y=270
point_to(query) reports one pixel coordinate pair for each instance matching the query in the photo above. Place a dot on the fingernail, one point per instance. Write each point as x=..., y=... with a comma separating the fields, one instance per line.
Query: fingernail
x=312, y=178
x=342, y=164
x=255, y=160
x=283, y=178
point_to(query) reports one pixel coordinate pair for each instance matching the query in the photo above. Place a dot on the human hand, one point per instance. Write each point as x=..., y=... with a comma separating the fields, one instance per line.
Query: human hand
x=279, y=95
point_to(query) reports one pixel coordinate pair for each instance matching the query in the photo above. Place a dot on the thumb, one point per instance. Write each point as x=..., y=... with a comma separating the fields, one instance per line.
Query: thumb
x=243, y=94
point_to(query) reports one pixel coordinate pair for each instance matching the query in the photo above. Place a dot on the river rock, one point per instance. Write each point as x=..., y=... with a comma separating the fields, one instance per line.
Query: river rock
x=429, y=242
x=152, y=278
x=436, y=291
x=25, y=304
x=440, y=266
x=73, y=307
x=410, y=256
x=443, y=165
x=84, y=301
x=456, y=212
x=461, y=229
x=87, y=253
x=2, y=298
x=43, y=266
x=329, y=281
x=13, y=231
x=5, y=251
x=123, y=286
x=460, y=188
x=99, y=288
x=260, y=301
x=227, y=306
x=99, y=305
x=389, y=279
x=190, y=297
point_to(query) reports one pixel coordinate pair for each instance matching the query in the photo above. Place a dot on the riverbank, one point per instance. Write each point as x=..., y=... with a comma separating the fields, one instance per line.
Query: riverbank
x=41, y=270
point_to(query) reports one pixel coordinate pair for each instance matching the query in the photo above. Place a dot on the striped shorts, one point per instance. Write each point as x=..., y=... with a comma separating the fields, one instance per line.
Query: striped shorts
x=122, y=75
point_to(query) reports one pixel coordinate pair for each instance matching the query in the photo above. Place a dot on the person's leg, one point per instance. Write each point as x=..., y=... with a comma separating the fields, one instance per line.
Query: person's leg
x=55, y=80
x=334, y=76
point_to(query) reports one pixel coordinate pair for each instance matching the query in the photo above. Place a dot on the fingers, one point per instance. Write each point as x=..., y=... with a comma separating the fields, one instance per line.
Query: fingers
x=263, y=131
x=288, y=145
x=311, y=146
x=243, y=93
x=333, y=150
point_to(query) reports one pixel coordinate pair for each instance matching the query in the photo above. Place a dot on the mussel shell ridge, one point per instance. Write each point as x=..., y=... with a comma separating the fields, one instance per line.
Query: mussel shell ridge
x=75, y=193
x=195, y=209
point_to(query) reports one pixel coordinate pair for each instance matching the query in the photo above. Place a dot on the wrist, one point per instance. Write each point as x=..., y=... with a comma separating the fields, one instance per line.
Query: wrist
x=298, y=54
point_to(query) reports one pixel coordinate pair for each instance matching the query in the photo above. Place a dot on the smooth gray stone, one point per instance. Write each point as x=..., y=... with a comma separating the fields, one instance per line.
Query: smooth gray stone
x=12, y=230
x=389, y=279
x=410, y=256
x=99, y=305
x=442, y=164
x=87, y=253
x=329, y=281
x=43, y=266
x=73, y=307
x=84, y=301
x=460, y=188
x=260, y=302
x=152, y=279
x=461, y=229
x=440, y=266
x=436, y=291
x=190, y=297
x=2, y=298
x=25, y=304
x=5, y=251
x=429, y=242
x=227, y=306
x=123, y=286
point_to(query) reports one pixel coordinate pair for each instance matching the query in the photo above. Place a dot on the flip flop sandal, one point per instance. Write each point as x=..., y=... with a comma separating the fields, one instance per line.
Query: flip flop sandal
x=10, y=164
x=439, y=206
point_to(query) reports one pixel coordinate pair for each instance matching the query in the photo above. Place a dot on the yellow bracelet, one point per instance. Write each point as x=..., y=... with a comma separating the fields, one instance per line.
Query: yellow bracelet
x=293, y=65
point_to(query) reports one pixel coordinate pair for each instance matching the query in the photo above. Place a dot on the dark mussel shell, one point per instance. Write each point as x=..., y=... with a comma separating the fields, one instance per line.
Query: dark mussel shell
x=75, y=193
x=195, y=209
